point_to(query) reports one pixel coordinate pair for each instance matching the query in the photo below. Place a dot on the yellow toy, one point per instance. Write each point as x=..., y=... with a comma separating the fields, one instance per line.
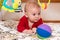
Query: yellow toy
x=43, y=5
x=15, y=4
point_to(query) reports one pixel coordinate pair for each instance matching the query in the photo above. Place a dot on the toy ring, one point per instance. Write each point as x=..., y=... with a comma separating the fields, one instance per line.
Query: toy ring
x=43, y=5
x=10, y=8
x=6, y=7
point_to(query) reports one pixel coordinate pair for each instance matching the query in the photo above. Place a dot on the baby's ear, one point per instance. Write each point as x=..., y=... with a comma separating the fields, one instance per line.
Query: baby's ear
x=26, y=15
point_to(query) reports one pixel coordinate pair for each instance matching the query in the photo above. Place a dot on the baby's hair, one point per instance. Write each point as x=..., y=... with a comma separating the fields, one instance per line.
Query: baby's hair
x=29, y=4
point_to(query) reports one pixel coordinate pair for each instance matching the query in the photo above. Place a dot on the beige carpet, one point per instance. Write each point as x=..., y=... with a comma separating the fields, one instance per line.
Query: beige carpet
x=8, y=32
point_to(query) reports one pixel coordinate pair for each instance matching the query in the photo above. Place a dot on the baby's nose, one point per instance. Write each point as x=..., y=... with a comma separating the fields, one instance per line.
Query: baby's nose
x=36, y=16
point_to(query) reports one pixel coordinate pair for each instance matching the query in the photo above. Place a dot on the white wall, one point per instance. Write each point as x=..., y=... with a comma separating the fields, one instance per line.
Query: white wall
x=52, y=12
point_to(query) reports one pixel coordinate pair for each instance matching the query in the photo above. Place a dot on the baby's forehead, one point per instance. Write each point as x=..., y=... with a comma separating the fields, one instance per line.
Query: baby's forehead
x=31, y=5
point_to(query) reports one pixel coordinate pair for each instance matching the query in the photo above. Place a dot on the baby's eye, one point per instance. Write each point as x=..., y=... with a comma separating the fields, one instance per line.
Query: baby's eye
x=38, y=13
x=33, y=14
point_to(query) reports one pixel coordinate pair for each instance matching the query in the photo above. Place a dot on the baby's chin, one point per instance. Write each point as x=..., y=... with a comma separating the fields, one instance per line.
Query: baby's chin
x=35, y=20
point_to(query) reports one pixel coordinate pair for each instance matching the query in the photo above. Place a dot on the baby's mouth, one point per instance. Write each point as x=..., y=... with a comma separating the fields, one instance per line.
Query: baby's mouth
x=36, y=20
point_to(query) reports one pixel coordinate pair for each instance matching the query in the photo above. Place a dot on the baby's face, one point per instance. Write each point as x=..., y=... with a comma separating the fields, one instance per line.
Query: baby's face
x=33, y=14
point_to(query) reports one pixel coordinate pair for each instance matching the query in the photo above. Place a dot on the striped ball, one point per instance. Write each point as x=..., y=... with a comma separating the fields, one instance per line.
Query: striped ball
x=43, y=31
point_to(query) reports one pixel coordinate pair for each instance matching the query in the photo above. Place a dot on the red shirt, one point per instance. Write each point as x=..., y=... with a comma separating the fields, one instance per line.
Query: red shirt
x=23, y=24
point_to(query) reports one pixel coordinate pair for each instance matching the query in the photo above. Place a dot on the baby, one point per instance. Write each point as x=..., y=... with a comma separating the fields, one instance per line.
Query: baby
x=31, y=20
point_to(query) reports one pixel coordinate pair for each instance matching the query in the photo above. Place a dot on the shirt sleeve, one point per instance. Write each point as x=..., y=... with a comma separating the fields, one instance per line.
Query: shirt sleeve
x=38, y=23
x=21, y=25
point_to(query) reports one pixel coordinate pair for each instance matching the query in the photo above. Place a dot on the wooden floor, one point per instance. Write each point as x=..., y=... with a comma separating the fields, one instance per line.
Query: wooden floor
x=51, y=21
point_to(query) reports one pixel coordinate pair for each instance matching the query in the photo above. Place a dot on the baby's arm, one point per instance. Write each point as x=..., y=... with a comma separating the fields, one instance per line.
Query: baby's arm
x=20, y=26
x=36, y=25
x=34, y=30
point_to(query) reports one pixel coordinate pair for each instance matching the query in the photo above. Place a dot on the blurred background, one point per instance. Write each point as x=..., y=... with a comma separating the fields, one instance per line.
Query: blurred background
x=52, y=13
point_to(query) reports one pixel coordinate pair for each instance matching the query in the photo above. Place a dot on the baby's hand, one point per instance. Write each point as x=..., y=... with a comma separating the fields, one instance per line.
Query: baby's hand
x=34, y=30
x=25, y=31
x=28, y=31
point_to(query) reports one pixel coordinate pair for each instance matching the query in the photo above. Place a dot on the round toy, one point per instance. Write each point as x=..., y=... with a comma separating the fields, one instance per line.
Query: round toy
x=6, y=7
x=43, y=31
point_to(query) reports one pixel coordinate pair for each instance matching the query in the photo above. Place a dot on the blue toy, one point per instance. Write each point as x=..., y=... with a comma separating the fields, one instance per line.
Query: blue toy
x=43, y=31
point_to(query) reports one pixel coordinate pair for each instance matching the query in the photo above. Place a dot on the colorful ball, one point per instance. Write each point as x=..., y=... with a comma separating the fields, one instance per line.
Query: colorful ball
x=44, y=31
